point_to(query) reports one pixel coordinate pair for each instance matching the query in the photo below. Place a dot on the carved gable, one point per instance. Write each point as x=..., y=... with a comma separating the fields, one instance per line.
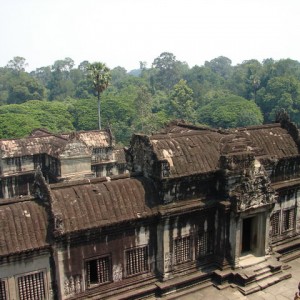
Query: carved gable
x=246, y=182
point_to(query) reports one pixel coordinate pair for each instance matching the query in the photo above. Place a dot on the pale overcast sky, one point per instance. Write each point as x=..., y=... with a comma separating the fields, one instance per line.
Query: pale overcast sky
x=124, y=32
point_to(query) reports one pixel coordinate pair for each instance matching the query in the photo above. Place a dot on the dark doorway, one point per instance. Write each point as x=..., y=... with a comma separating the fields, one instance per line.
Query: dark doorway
x=246, y=240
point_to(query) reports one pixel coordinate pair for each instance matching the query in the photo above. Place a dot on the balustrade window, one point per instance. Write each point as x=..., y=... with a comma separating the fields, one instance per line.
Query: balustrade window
x=275, y=223
x=32, y=287
x=182, y=249
x=205, y=238
x=98, y=271
x=288, y=222
x=3, y=295
x=205, y=243
x=137, y=260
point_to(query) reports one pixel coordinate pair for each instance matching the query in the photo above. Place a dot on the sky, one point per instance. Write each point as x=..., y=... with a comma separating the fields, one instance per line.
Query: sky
x=125, y=32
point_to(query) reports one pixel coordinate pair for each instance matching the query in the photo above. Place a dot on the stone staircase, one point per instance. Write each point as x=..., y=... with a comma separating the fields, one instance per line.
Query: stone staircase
x=288, y=251
x=253, y=275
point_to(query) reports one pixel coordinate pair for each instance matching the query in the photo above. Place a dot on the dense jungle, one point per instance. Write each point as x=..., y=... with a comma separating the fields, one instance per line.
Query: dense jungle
x=62, y=98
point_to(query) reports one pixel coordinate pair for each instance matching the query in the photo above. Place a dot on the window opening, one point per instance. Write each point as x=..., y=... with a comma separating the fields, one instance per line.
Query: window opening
x=182, y=249
x=205, y=243
x=32, y=287
x=3, y=290
x=205, y=239
x=137, y=261
x=98, y=271
x=289, y=219
x=275, y=221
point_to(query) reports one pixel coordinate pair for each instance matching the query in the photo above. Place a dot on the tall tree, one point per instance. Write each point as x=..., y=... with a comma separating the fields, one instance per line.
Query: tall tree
x=202, y=80
x=17, y=64
x=83, y=67
x=246, y=79
x=118, y=76
x=220, y=65
x=280, y=93
x=167, y=71
x=100, y=77
x=182, y=105
x=64, y=65
x=43, y=74
x=19, y=87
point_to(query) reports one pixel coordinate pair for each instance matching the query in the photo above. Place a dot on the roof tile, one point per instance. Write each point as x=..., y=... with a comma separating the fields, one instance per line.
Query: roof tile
x=23, y=227
x=102, y=203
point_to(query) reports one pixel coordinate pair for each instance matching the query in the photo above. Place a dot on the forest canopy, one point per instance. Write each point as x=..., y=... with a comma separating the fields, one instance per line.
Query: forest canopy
x=61, y=97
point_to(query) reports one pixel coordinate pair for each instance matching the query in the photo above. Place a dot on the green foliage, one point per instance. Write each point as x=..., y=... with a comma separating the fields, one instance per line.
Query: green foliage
x=25, y=89
x=142, y=104
x=246, y=79
x=216, y=94
x=64, y=65
x=118, y=75
x=43, y=75
x=220, y=65
x=230, y=111
x=182, y=105
x=19, y=87
x=280, y=93
x=99, y=75
x=53, y=116
x=17, y=64
x=287, y=67
x=167, y=71
x=158, y=120
x=202, y=80
x=119, y=113
x=153, y=96
x=84, y=113
x=60, y=86
x=16, y=125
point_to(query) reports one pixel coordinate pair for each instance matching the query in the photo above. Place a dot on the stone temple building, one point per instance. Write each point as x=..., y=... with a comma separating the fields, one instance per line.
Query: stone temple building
x=84, y=154
x=200, y=207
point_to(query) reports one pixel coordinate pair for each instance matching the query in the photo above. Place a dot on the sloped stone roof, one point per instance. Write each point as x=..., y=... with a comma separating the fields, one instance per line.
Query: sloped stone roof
x=188, y=152
x=49, y=144
x=76, y=206
x=196, y=150
x=273, y=140
x=95, y=138
x=41, y=141
x=97, y=203
x=23, y=227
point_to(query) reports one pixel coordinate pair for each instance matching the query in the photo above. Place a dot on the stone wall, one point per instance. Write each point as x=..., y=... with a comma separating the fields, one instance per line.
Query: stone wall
x=72, y=258
x=20, y=267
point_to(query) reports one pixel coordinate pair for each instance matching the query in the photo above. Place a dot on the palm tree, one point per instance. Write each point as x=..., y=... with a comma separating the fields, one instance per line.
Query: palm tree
x=100, y=76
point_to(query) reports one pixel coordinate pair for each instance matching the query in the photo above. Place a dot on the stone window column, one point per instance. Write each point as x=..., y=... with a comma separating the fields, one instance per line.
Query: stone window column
x=164, y=254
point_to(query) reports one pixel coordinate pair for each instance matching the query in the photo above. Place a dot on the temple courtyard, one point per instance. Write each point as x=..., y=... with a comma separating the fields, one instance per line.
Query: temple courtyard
x=283, y=290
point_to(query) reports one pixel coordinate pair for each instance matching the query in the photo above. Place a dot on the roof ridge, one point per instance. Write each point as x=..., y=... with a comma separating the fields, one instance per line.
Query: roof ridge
x=34, y=137
x=163, y=135
x=17, y=200
x=254, y=127
x=91, y=180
